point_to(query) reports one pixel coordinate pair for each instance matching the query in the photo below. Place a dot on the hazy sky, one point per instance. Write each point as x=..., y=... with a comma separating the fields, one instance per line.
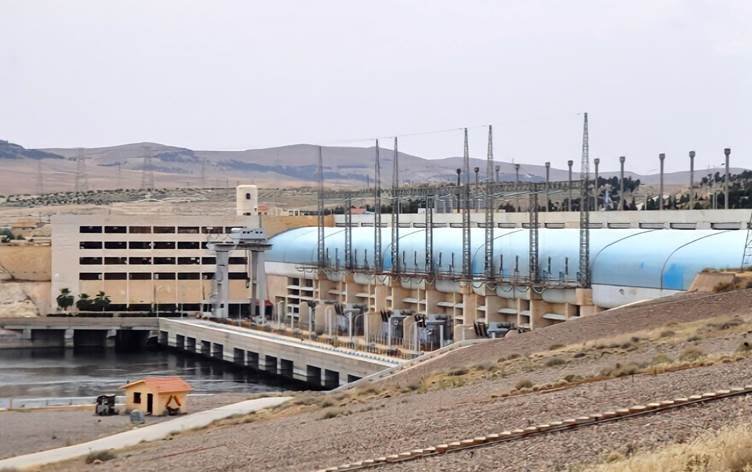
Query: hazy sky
x=655, y=76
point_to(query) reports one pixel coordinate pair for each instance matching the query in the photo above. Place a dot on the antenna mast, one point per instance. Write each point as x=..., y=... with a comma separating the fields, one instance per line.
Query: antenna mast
x=467, y=269
x=489, y=207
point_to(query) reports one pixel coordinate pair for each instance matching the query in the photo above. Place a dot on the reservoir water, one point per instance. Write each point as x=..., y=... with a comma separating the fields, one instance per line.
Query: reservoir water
x=60, y=373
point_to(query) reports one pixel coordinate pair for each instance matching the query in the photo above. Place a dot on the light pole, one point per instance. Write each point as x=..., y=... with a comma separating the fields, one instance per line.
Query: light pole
x=727, y=153
x=661, y=158
x=621, y=182
x=570, y=163
x=548, y=182
x=691, y=180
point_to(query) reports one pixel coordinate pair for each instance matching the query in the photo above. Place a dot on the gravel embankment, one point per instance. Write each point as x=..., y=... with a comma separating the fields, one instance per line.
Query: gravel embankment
x=389, y=425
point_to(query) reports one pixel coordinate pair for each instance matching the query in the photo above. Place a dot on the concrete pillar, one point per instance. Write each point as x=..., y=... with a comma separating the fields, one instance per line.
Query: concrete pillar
x=691, y=180
x=570, y=163
x=621, y=182
x=727, y=154
x=661, y=158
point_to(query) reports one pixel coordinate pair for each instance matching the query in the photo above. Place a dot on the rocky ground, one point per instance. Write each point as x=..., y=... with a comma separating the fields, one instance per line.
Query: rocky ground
x=647, y=361
x=21, y=430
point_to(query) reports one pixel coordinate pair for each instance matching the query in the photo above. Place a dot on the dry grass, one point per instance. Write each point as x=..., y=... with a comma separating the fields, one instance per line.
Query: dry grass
x=729, y=450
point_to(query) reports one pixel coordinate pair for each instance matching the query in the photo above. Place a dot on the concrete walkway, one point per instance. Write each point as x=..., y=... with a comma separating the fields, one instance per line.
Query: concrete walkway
x=136, y=436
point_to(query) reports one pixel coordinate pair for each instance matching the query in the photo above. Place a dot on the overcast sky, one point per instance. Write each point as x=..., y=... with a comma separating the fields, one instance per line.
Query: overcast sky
x=655, y=76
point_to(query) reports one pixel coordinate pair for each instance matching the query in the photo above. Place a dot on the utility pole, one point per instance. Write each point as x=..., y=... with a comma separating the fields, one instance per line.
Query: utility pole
x=548, y=184
x=82, y=182
x=40, y=178
x=467, y=269
x=621, y=182
x=321, y=251
x=395, y=211
x=147, y=173
x=490, y=208
x=661, y=157
x=726, y=181
x=584, y=209
x=691, y=180
x=596, y=188
x=477, y=187
x=517, y=185
x=377, y=255
x=570, y=163
x=459, y=203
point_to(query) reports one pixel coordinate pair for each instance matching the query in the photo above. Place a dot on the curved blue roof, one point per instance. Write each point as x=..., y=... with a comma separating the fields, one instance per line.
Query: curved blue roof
x=662, y=259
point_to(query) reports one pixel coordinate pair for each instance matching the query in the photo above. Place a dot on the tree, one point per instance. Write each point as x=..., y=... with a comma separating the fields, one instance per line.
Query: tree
x=84, y=303
x=101, y=301
x=64, y=300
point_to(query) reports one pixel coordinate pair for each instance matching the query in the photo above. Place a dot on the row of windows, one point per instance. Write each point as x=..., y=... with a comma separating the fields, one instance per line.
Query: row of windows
x=155, y=260
x=142, y=245
x=157, y=276
x=155, y=229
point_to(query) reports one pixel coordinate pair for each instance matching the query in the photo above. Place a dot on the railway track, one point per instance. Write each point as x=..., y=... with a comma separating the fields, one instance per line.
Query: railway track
x=569, y=424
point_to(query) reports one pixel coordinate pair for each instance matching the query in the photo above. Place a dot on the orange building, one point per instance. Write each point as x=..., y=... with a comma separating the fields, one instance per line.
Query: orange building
x=157, y=395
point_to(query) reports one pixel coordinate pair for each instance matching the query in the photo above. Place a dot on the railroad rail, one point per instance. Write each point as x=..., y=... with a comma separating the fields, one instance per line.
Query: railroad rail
x=542, y=429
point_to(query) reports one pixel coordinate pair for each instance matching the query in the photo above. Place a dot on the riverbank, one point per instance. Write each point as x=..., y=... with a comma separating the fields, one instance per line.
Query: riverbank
x=27, y=431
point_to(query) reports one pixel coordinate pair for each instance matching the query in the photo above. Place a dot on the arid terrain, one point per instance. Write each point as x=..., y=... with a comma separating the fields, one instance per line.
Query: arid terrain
x=659, y=350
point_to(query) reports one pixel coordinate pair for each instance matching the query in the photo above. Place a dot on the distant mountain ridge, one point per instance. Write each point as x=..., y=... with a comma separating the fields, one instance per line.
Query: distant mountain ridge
x=292, y=165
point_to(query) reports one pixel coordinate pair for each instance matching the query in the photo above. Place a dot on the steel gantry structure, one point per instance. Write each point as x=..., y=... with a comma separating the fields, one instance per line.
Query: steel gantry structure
x=490, y=193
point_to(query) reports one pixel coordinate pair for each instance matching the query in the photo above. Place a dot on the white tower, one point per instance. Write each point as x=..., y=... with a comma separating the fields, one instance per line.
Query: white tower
x=246, y=200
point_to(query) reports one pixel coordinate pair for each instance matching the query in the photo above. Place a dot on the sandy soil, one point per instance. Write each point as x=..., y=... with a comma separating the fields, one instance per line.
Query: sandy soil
x=25, y=431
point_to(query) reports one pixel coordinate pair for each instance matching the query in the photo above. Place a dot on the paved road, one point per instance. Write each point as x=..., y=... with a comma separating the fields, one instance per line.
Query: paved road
x=133, y=437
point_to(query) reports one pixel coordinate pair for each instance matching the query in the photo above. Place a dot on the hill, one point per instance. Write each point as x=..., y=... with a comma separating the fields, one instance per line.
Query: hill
x=122, y=166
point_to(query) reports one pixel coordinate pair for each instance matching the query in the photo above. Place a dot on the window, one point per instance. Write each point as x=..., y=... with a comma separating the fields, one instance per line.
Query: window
x=139, y=229
x=139, y=276
x=115, y=260
x=90, y=276
x=89, y=260
x=115, y=229
x=164, y=244
x=211, y=229
x=164, y=229
x=139, y=245
x=189, y=260
x=139, y=260
x=115, y=276
x=165, y=276
x=238, y=260
x=204, y=245
x=207, y=276
x=137, y=397
x=247, y=196
x=164, y=260
x=90, y=245
x=237, y=276
x=89, y=229
x=188, y=229
x=188, y=245
x=188, y=276
x=115, y=245
x=209, y=260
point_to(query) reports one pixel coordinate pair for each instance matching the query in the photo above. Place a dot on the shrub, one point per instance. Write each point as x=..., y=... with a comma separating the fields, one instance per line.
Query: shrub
x=577, y=355
x=103, y=456
x=554, y=347
x=457, y=372
x=555, y=361
x=723, y=287
x=661, y=359
x=328, y=414
x=691, y=354
x=694, y=338
x=667, y=333
x=744, y=347
x=523, y=384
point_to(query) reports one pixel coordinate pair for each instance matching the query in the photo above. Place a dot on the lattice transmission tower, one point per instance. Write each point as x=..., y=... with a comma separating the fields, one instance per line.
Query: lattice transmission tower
x=584, y=273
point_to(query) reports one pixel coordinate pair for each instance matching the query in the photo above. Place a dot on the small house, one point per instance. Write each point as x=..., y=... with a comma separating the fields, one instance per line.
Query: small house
x=157, y=396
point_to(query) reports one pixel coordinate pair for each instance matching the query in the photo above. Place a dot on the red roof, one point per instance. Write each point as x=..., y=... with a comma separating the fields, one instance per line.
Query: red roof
x=163, y=384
